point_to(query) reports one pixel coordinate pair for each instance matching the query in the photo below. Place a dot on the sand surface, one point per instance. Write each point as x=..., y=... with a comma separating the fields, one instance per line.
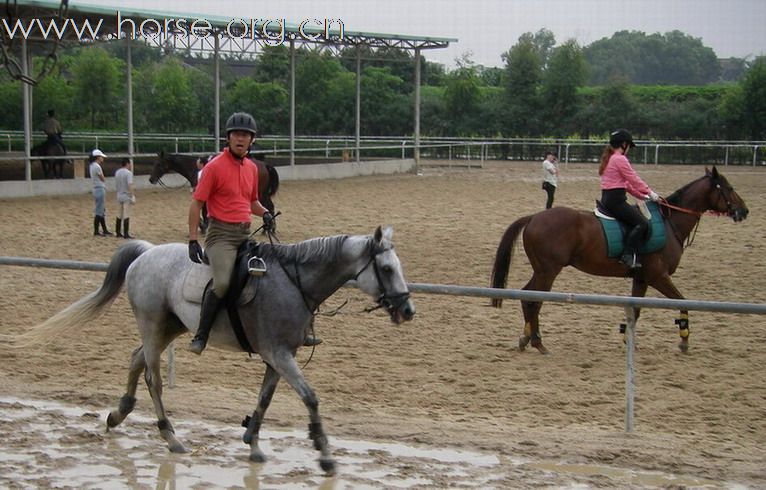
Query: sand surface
x=450, y=379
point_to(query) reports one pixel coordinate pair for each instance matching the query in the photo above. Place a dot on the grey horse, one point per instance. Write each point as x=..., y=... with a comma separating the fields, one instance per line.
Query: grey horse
x=299, y=278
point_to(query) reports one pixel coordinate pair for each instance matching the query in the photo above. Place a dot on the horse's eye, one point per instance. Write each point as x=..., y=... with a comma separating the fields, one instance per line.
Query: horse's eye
x=387, y=269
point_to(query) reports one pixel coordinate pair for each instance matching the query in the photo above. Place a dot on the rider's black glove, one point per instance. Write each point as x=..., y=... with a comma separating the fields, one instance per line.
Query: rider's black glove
x=268, y=221
x=196, y=254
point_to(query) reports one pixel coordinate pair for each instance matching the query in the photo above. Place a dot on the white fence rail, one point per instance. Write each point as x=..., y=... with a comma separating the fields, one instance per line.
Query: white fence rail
x=590, y=299
x=569, y=150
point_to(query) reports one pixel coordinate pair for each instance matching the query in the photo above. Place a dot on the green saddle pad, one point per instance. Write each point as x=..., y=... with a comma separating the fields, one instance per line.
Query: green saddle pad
x=615, y=236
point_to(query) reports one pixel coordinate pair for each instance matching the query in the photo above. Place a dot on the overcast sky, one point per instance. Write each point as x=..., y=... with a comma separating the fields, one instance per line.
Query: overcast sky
x=487, y=28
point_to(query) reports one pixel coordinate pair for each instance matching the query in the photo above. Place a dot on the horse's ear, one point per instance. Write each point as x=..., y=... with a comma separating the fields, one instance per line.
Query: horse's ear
x=714, y=173
x=388, y=233
x=161, y=154
x=378, y=236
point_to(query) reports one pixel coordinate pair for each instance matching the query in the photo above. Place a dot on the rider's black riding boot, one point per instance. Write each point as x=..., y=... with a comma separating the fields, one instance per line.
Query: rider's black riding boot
x=102, y=220
x=210, y=306
x=118, y=225
x=126, y=228
x=632, y=244
x=96, y=222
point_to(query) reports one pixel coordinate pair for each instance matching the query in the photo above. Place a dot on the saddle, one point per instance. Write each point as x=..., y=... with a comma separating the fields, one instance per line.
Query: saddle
x=614, y=231
x=241, y=291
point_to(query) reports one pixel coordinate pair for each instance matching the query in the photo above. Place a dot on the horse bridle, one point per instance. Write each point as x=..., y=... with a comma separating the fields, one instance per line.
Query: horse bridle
x=391, y=302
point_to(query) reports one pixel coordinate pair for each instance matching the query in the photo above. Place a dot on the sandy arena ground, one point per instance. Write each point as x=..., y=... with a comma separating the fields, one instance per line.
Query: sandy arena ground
x=451, y=379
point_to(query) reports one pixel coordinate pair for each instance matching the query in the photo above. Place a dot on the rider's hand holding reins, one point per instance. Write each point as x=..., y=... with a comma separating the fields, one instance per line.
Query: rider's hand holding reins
x=653, y=196
x=268, y=222
x=196, y=254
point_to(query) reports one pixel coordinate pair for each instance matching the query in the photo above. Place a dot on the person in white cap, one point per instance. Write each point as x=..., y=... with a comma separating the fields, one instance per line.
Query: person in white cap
x=99, y=192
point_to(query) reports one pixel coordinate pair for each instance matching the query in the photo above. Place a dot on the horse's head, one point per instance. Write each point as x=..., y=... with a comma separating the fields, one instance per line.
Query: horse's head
x=159, y=168
x=722, y=197
x=382, y=277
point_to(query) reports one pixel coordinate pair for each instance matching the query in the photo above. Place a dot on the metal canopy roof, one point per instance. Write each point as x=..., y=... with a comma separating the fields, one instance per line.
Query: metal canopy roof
x=193, y=32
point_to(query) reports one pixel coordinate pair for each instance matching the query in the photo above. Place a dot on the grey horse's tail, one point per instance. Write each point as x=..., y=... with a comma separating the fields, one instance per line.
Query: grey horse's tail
x=86, y=308
x=504, y=255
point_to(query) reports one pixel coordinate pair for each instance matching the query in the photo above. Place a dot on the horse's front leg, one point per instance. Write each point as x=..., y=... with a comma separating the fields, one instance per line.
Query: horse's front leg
x=287, y=367
x=665, y=286
x=253, y=423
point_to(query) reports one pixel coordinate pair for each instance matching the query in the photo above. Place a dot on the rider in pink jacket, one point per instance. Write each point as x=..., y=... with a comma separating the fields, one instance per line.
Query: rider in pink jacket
x=617, y=179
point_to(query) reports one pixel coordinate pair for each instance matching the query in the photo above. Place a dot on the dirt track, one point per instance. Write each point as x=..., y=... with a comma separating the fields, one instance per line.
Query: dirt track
x=452, y=377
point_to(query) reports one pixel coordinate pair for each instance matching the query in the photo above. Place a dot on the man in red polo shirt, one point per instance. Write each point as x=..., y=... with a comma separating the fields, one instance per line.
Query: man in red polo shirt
x=229, y=186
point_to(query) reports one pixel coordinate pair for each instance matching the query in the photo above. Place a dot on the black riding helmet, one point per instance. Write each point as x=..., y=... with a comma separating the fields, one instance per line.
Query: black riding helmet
x=620, y=136
x=241, y=121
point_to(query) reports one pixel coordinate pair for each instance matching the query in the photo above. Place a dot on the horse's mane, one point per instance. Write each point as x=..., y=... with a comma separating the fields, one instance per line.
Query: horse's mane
x=678, y=195
x=325, y=249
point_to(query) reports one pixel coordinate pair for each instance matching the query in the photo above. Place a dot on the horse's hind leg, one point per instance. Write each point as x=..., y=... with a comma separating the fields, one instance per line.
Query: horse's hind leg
x=253, y=423
x=531, y=309
x=128, y=400
x=287, y=367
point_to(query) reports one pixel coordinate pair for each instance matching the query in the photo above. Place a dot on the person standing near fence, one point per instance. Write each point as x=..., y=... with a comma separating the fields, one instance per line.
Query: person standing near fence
x=126, y=197
x=99, y=192
x=550, y=177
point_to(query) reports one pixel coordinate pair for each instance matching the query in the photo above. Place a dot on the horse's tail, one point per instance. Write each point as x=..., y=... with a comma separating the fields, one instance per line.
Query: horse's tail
x=504, y=255
x=86, y=308
x=272, y=189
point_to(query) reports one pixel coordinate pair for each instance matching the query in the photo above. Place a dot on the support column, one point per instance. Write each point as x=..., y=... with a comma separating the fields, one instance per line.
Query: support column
x=131, y=146
x=26, y=94
x=292, y=105
x=358, y=115
x=417, y=108
x=217, y=97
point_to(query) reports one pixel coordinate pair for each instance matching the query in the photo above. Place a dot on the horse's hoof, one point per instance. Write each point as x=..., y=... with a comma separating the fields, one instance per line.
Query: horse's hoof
x=257, y=456
x=327, y=465
x=523, y=342
x=683, y=346
x=542, y=350
x=177, y=448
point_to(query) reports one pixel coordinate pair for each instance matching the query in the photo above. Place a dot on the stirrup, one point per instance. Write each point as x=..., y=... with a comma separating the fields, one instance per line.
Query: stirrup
x=256, y=266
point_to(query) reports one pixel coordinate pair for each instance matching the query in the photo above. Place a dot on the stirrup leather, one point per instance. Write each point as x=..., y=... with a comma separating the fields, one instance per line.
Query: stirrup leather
x=256, y=266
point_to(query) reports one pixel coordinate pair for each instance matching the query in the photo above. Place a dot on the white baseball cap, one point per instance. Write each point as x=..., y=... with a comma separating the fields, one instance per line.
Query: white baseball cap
x=97, y=153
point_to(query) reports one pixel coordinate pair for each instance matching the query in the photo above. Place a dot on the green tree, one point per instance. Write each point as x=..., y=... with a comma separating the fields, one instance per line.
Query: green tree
x=671, y=58
x=98, y=84
x=523, y=71
x=461, y=97
x=267, y=102
x=754, y=100
x=164, y=97
x=10, y=104
x=567, y=70
x=384, y=108
x=273, y=65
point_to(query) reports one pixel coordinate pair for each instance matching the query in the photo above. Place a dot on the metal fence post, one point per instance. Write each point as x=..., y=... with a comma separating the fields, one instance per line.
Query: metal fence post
x=630, y=337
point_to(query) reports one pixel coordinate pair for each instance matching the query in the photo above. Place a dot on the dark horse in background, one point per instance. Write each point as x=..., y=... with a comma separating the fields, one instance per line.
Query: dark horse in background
x=558, y=237
x=186, y=165
x=52, y=167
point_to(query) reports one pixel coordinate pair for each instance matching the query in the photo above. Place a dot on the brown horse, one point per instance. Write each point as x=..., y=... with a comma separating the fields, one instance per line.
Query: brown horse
x=186, y=165
x=578, y=241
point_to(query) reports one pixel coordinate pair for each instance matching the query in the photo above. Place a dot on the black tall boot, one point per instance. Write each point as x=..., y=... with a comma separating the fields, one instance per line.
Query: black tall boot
x=126, y=228
x=632, y=244
x=102, y=220
x=210, y=306
x=118, y=225
x=96, y=222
